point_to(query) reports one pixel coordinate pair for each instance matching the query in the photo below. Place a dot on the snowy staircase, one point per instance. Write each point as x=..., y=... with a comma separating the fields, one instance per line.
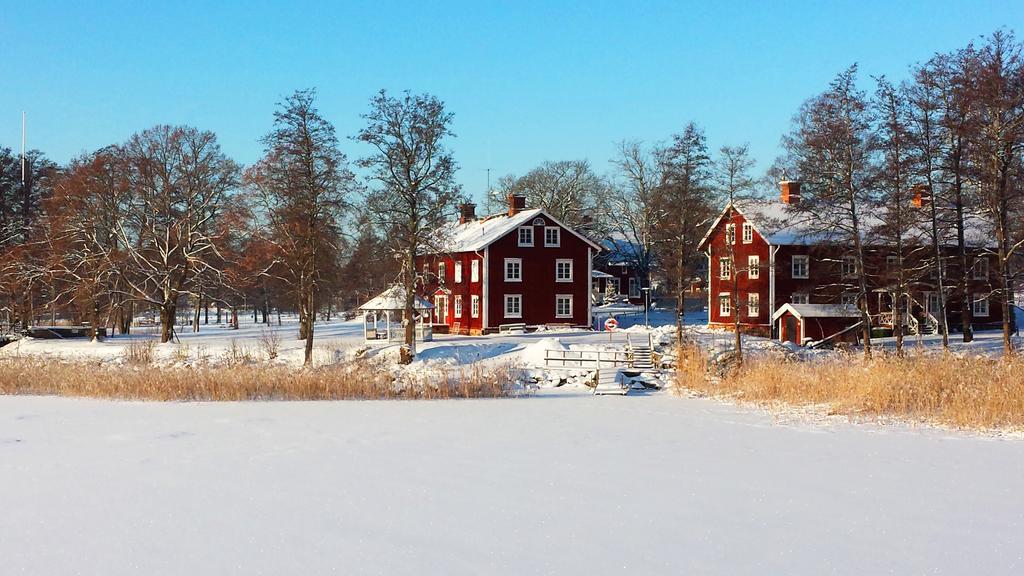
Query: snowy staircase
x=642, y=358
x=609, y=382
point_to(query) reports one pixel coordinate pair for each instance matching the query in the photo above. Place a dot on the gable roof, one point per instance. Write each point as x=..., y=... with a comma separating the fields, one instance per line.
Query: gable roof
x=394, y=299
x=478, y=234
x=779, y=224
x=818, y=311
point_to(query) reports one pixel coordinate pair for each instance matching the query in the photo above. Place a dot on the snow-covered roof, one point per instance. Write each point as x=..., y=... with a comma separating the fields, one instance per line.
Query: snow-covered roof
x=780, y=224
x=599, y=274
x=818, y=311
x=394, y=299
x=478, y=234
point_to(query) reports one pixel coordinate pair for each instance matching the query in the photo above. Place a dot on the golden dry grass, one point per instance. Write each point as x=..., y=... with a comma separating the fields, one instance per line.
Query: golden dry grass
x=965, y=392
x=358, y=379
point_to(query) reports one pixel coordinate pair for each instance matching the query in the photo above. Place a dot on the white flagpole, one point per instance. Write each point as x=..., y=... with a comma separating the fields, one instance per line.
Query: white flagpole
x=23, y=148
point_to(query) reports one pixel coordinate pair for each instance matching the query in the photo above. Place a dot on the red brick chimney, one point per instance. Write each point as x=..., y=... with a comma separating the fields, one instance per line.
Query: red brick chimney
x=467, y=212
x=516, y=204
x=922, y=195
x=790, y=192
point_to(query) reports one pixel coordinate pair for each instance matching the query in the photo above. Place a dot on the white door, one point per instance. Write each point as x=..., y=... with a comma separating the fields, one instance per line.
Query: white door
x=441, y=309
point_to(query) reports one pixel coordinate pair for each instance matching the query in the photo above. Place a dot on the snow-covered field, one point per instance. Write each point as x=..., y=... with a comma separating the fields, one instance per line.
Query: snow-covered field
x=558, y=483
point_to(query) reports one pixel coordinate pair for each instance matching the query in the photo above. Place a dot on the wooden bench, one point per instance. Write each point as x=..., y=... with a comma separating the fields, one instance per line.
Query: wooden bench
x=509, y=328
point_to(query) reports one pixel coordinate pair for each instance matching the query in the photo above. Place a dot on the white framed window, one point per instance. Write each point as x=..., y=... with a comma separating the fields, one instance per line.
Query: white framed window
x=981, y=270
x=513, y=305
x=563, y=306
x=848, y=267
x=634, y=287
x=724, y=268
x=980, y=305
x=848, y=298
x=525, y=236
x=458, y=272
x=748, y=233
x=802, y=266
x=724, y=304
x=753, y=266
x=730, y=233
x=563, y=270
x=539, y=221
x=799, y=298
x=513, y=269
x=474, y=306
x=440, y=272
x=552, y=236
x=458, y=306
x=474, y=271
x=753, y=304
x=932, y=301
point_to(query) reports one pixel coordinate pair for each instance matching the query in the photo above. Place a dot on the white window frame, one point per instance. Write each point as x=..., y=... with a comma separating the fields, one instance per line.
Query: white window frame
x=474, y=306
x=518, y=298
x=558, y=236
x=800, y=298
x=979, y=306
x=980, y=270
x=634, y=282
x=748, y=233
x=441, y=269
x=558, y=264
x=806, y=260
x=518, y=262
x=724, y=304
x=724, y=268
x=558, y=299
x=730, y=233
x=754, y=305
x=458, y=306
x=753, y=266
x=524, y=235
x=474, y=271
x=848, y=266
x=458, y=272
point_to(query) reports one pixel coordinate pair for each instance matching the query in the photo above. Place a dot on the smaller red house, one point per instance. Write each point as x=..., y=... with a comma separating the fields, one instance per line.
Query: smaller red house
x=519, y=267
x=799, y=323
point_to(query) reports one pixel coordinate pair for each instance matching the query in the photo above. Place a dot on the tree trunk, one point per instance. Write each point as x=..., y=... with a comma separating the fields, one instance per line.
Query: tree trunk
x=198, y=309
x=168, y=314
x=408, y=350
x=311, y=316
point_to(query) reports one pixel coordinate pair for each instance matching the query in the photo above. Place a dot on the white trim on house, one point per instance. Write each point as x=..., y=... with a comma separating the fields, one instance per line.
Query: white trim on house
x=485, y=300
x=558, y=240
x=519, y=236
x=560, y=261
x=518, y=267
x=457, y=305
x=748, y=228
x=474, y=306
x=563, y=297
x=457, y=271
x=754, y=266
x=725, y=301
x=509, y=298
x=807, y=266
x=979, y=306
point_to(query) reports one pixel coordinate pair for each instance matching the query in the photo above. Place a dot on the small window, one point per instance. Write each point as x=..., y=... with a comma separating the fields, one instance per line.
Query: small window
x=848, y=298
x=513, y=305
x=539, y=222
x=724, y=305
x=440, y=272
x=891, y=262
x=748, y=233
x=552, y=236
x=753, y=304
x=563, y=270
x=753, y=266
x=513, y=270
x=799, y=298
x=980, y=307
x=563, y=306
x=849, y=267
x=474, y=306
x=730, y=233
x=458, y=306
x=724, y=268
x=474, y=271
x=458, y=272
x=634, y=287
x=526, y=236
x=801, y=266
x=981, y=271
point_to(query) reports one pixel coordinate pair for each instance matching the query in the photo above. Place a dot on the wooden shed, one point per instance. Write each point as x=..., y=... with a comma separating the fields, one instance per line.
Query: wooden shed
x=801, y=323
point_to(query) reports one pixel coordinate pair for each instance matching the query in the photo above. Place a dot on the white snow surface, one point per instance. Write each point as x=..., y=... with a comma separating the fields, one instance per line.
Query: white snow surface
x=557, y=483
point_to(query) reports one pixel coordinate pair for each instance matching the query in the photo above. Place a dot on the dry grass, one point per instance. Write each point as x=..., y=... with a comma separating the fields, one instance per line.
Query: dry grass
x=968, y=392
x=359, y=379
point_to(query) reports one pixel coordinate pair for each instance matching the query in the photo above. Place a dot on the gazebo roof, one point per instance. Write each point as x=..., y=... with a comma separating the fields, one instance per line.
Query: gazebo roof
x=394, y=299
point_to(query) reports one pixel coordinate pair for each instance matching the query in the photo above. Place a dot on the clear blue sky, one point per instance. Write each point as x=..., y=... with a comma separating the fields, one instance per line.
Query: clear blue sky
x=528, y=81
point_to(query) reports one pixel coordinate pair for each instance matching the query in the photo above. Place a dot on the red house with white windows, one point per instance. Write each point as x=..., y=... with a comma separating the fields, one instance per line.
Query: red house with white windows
x=795, y=285
x=520, y=267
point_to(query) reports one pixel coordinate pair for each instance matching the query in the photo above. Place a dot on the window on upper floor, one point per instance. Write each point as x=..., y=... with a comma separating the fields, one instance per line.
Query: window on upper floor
x=801, y=267
x=525, y=236
x=440, y=272
x=981, y=268
x=730, y=233
x=799, y=298
x=563, y=270
x=724, y=268
x=753, y=266
x=474, y=271
x=552, y=236
x=458, y=272
x=753, y=304
x=849, y=266
x=513, y=270
x=748, y=233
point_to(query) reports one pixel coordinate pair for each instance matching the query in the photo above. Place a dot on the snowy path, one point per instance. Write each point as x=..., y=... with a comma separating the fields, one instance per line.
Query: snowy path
x=562, y=483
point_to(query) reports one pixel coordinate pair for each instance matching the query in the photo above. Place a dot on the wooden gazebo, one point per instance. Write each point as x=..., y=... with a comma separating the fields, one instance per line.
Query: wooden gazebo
x=382, y=317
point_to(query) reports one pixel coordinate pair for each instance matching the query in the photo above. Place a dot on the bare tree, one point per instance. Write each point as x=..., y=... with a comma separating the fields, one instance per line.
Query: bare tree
x=415, y=176
x=731, y=173
x=178, y=178
x=568, y=190
x=302, y=184
x=831, y=146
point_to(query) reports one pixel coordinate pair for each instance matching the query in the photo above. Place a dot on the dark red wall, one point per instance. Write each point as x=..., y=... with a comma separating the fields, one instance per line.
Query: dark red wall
x=466, y=288
x=747, y=285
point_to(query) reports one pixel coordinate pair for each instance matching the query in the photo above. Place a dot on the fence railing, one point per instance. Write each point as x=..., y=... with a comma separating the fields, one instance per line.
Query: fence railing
x=556, y=358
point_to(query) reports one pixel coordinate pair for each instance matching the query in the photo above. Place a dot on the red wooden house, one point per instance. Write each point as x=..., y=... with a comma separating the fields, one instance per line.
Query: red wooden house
x=776, y=261
x=519, y=267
